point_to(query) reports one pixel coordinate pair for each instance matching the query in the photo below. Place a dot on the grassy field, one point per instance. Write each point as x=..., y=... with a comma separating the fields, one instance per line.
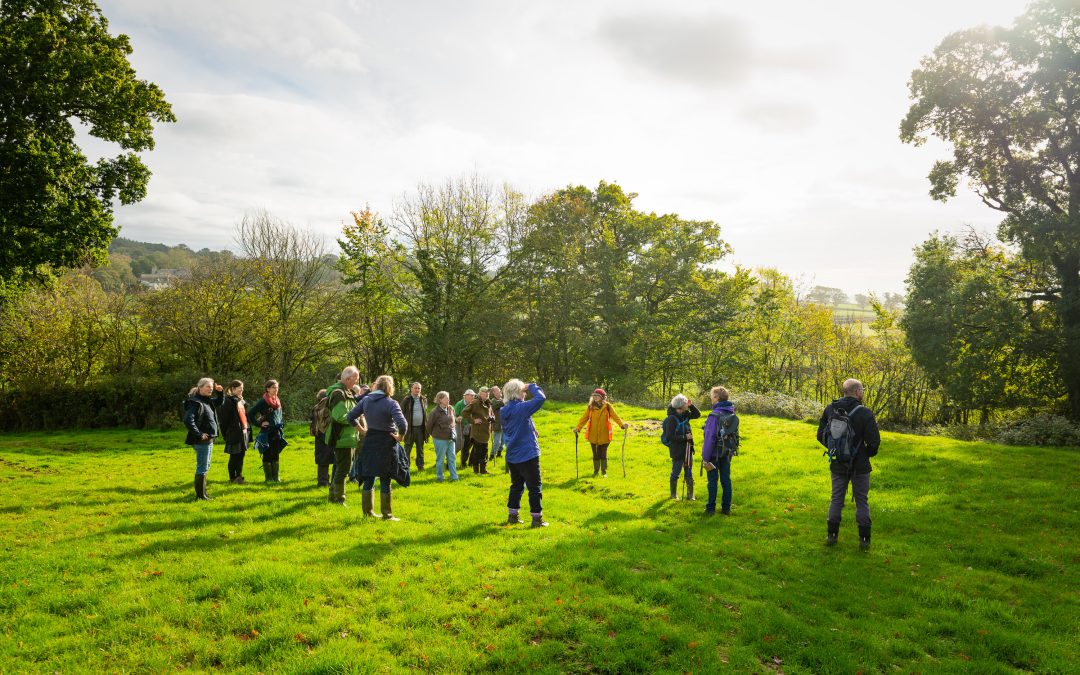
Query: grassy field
x=110, y=565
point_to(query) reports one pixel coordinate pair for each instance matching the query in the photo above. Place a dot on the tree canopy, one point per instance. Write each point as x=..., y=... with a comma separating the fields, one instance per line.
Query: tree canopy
x=59, y=64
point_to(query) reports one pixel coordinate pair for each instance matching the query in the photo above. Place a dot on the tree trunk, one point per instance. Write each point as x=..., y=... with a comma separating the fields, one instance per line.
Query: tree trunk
x=1069, y=315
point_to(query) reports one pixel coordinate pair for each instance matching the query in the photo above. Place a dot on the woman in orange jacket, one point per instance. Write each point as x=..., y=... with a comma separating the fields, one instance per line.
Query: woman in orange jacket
x=598, y=417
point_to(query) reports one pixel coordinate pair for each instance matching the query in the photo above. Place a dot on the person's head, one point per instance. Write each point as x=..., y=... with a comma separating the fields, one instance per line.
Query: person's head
x=204, y=387
x=349, y=377
x=853, y=388
x=469, y=395
x=385, y=383
x=514, y=390
x=442, y=399
x=415, y=389
x=718, y=394
x=484, y=393
x=496, y=392
x=598, y=396
x=236, y=388
x=356, y=390
x=271, y=387
x=679, y=403
x=320, y=395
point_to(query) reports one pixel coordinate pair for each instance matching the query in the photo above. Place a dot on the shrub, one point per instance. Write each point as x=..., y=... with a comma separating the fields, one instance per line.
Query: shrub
x=1041, y=429
x=777, y=405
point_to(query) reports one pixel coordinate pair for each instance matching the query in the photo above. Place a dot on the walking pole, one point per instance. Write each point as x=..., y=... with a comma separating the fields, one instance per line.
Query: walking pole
x=624, y=453
x=686, y=463
x=575, y=455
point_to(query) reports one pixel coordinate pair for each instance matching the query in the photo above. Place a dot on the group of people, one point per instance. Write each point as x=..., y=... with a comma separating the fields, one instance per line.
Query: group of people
x=360, y=430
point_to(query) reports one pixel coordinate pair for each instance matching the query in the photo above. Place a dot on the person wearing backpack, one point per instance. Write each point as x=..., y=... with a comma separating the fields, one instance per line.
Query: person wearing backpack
x=232, y=418
x=324, y=454
x=339, y=433
x=850, y=435
x=200, y=419
x=597, y=421
x=719, y=444
x=267, y=414
x=679, y=439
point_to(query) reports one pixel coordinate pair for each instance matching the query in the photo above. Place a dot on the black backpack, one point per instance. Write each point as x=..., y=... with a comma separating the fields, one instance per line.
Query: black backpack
x=840, y=444
x=681, y=432
x=727, y=442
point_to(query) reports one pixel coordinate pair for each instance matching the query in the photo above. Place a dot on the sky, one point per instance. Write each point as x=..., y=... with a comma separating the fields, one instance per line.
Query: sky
x=777, y=119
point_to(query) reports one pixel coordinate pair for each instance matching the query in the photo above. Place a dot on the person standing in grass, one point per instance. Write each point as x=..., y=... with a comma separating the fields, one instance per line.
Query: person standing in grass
x=324, y=454
x=720, y=441
x=414, y=407
x=267, y=414
x=522, y=449
x=341, y=433
x=464, y=426
x=848, y=412
x=496, y=401
x=232, y=418
x=385, y=427
x=679, y=438
x=200, y=419
x=479, y=413
x=597, y=419
x=441, y=427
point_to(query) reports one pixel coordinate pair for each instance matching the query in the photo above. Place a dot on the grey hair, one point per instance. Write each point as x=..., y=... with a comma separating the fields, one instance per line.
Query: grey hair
x=851, y=386
x=678, y=402
x=514, y=390
x=202, y=383
x=442, y=395
x=349, y=372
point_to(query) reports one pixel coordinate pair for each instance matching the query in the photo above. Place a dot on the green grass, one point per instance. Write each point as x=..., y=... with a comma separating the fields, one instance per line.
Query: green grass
x=110, y=565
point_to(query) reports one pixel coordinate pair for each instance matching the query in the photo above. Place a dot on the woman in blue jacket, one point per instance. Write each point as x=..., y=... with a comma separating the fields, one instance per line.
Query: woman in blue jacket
x=386, y=426
x=522, y=448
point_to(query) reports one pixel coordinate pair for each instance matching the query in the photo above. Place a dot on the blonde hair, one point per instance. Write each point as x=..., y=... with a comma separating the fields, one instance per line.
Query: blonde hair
x=720, y=393
x=385, y=383
x=441, y=395
x=514, y=389
x=233, y=385
x=202, y=383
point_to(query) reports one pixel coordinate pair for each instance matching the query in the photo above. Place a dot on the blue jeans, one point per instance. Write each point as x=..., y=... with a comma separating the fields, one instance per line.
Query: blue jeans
x=721, y=473
x=444, y=452
x=202, y=457
x=384, y=484
x=496, y=442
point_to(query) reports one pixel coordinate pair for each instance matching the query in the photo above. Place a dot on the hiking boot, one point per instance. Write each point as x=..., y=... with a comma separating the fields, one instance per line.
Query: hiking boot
x=538, y=521
x=833, y=532
x=239, y=480
x=513, y=519
x=709, y=512
x=367, y=498
x=830, y=538
x=725, y=512
x=386, y=501
x=864, y=538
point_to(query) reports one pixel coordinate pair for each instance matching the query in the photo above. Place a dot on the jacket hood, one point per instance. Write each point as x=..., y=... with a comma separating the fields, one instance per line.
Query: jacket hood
x=846, y=403
x=378, y=393
x=724, y=407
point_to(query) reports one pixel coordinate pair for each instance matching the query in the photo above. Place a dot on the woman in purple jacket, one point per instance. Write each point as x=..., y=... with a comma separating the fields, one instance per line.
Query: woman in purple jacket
x=720, y=443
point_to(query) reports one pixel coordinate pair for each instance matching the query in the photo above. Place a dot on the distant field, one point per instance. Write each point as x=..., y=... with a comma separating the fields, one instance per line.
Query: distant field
x=109, y=564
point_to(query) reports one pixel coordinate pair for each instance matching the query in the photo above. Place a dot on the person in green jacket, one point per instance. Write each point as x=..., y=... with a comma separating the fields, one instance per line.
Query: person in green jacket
x=340, y=434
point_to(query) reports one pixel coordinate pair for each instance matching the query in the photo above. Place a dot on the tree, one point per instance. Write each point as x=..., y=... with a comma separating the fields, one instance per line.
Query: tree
x=59, y=63
x=1008, y=101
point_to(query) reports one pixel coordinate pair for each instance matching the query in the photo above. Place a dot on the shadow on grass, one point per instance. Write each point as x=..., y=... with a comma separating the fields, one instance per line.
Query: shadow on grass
x=370, y=552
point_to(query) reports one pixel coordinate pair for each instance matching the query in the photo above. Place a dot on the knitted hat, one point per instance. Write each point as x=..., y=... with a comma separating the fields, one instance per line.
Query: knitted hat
x=601, y=392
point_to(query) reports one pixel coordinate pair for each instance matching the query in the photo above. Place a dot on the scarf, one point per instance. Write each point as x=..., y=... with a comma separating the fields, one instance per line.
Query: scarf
x=273, y=401
x=242, y=412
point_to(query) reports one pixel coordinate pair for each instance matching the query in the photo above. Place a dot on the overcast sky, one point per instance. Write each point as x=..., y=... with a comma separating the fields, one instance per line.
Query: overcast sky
x=777, y=119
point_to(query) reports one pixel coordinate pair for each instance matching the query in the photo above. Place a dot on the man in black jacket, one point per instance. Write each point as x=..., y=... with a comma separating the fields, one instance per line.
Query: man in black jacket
x=857, y=472
x=414, y=407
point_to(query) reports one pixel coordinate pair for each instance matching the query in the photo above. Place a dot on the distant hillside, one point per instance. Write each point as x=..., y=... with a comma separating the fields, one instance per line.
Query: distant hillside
x=128, y=259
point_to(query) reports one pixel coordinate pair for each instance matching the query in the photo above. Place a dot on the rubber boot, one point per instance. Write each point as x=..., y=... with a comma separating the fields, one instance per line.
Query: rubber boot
x=864, y=538
x=833, y=533
x=538, y=521
x=205, y=485
x=200, y=489
x=386, y=500
x=277, y=472
x=483, y=463
x=595, y=467
x=690, y=491
x=323, y=476
x=603, y=467
x=674, y=488
x=331, y=496
x=268, y=473
x=367, y=497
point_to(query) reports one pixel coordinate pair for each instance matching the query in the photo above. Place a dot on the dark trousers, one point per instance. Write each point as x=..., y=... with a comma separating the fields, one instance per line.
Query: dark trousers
x=599, y=458
x=860, y=488
x=384, y=484
x=236, y=465
x=478, y=455
x=721, y=474
x=343, y=458
x=525, y=475
x=415, y=436
x=466, y=448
